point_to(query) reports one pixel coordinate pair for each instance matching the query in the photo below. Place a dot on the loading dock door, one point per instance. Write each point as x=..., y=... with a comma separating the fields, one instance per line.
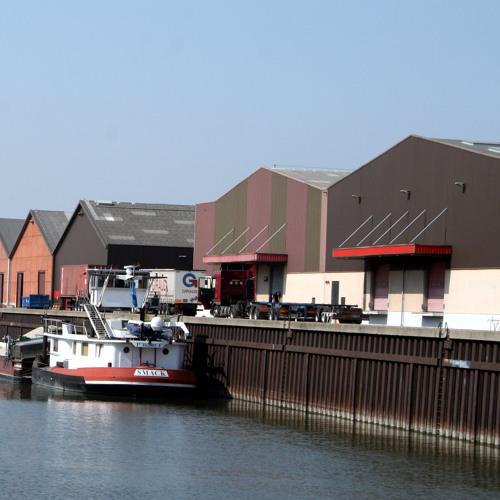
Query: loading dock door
x=335, y=292
x=381, y=287
x=277, y=279
x=435, y=286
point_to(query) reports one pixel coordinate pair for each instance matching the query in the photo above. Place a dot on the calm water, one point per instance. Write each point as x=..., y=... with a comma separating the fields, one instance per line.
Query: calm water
x=57, y=447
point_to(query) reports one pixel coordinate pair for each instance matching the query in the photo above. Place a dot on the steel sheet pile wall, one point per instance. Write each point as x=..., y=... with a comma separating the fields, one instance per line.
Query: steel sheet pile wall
x=445, y=382
x=424, y=380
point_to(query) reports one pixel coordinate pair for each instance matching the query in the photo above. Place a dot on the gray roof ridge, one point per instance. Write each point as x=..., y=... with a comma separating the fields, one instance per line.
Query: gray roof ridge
x=5, y=243
x=36, y=215
x=283, y=172
x=464, y=144
x=106, y=219
x=129, y=205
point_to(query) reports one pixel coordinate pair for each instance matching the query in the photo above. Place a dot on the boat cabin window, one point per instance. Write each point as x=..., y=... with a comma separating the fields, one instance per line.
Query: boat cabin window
x=74, y=347
x=55, y=345
x=85, y=349
x=98, y=349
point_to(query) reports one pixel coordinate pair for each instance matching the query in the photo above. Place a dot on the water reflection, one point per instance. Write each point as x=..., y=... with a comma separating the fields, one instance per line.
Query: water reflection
x=216, y=448
x=15, y=390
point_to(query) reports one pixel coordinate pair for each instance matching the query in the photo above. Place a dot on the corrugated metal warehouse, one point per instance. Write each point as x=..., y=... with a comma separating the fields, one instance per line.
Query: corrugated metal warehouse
x=115, y=234
x=411, y=234
x=407, y=236
x=273, y=222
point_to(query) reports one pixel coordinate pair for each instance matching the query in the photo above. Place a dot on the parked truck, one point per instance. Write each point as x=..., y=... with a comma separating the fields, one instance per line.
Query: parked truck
x=173, y=291
x=231, y=293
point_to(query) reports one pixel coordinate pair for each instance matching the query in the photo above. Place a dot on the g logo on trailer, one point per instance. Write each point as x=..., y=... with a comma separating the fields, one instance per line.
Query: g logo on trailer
x=189, y=280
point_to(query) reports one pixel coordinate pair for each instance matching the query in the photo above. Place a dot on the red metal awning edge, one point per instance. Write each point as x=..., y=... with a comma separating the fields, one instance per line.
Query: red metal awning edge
x=273, y=258
x=392, y=250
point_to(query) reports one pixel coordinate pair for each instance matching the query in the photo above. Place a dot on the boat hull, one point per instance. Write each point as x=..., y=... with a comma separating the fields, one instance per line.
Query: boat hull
x=15, y=370
x=123, y=381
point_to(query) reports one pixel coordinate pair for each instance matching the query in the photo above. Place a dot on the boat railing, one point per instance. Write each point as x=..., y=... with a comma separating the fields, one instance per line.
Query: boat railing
x=58, y=326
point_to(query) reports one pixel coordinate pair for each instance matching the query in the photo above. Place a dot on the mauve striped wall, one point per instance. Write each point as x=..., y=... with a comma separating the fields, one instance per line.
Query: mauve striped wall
x=296, y=224
x=270, y=199
x=204, y=233
x=259, y=200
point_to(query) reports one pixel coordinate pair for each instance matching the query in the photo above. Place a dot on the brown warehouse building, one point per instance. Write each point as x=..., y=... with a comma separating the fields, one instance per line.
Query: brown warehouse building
x=274, y=223
x=409, y=236
x=413, y=232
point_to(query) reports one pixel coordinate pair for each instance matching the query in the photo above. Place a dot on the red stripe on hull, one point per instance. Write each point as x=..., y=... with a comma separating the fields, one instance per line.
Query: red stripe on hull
x=128, y=375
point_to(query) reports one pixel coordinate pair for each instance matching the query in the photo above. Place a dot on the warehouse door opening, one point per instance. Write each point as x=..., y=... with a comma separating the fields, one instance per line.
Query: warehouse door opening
x=434, y=300
x=19, y=290
x=380, y=297
x=277, y=279
x=41, y=282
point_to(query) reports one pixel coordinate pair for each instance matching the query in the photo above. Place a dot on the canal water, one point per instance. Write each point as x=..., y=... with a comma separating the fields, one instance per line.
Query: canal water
x=61, y=447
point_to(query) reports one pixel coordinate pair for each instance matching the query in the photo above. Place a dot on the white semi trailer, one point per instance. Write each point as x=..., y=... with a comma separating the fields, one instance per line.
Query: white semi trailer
x=164, y=290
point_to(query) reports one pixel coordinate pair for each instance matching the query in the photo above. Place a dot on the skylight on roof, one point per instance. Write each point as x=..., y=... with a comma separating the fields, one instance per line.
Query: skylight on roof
x=156, y=231
x=122, y=237
x=146, y=213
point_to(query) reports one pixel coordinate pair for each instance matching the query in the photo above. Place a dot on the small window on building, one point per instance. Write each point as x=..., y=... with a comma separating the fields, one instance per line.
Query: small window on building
x=55, y=345
x=85, y=349
x=1, y=288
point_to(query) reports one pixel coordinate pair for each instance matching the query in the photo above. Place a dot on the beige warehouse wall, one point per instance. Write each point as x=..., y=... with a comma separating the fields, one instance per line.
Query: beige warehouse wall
x=472, y=291
x=413, y=290
x=302, y=287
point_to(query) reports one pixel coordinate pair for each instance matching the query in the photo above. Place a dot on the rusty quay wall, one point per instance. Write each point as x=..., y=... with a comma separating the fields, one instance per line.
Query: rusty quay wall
x=429, y=380
x=437, y=381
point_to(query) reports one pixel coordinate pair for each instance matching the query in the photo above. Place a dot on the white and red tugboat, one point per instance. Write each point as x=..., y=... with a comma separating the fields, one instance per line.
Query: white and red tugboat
x=115, y=356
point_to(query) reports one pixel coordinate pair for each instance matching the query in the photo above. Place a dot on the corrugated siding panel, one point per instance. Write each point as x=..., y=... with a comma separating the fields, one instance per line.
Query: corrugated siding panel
x=204, y=232
x=231, y=212
x=313, y=230
x=278, y=214
x=259, y=196
x=296, y=225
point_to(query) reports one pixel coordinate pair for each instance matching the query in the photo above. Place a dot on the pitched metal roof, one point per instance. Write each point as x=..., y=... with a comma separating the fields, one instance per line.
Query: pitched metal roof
x=144, y=224
x=318, y=178
x=9, y=232
x=481, y=147
x=52, y=224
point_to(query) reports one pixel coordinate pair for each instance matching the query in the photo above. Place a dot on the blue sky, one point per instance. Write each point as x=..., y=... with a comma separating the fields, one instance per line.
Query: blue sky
x=176, y=102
